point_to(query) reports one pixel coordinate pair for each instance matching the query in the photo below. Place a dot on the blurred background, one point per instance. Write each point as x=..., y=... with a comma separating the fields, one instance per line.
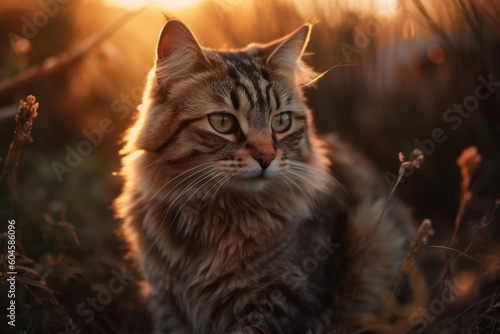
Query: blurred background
x=403, y=74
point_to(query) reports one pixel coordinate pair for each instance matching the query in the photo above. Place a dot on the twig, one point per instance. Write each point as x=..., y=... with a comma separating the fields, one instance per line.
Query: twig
x=457, y=251
x=492, y=306
x=424, y=233
x=485, y=222
x=470, y=308
x=416, y=162
x=56, y=63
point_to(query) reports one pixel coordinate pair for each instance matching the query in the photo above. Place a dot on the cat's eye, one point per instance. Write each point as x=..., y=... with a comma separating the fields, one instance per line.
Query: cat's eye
x=281, y=122
x=223, y=123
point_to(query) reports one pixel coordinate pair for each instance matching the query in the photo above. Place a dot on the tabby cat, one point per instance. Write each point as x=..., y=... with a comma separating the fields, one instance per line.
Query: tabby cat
x=243, y=219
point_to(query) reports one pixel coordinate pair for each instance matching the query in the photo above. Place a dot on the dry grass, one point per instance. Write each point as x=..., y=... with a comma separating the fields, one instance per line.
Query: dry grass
x=380, y=103
x=26, y=113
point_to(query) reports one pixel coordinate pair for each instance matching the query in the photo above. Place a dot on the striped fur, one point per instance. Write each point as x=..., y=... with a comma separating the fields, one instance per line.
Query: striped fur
x=225, y=246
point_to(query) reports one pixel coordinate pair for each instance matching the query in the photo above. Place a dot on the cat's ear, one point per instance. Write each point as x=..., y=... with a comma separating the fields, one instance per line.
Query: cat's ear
x=287, y=52
x=178, y=53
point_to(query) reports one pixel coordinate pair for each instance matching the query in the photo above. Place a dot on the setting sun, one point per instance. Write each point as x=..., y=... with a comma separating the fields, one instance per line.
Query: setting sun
x=243, y=166
x=167, y=4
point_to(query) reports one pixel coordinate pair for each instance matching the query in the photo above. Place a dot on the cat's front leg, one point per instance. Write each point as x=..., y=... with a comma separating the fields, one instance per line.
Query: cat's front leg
x=267, y=324
x=275, y=313
x=168, y=320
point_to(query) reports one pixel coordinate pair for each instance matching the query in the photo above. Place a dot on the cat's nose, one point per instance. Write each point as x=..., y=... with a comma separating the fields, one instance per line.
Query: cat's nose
x=264, y=159
x=262, y=150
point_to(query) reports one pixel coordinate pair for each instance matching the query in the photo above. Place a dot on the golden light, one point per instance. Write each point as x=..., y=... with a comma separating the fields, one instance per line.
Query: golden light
x=465, y=284
x=375, y=6
x=167, y=4
x=408, y=29
x=390, y=5
x=387, y=6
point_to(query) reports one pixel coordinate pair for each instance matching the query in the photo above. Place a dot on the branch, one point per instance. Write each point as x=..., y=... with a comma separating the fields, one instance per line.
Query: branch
x=65, y=59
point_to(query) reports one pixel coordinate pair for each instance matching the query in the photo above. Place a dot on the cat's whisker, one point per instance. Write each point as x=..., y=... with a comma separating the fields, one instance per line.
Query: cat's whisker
x=284, y=177
x=299, y=166
x=291, y=177
x=308, y=170
x=191, y=184
x=153, y=163
x=217, y=190
x=220, y=186
x=302, y=177
x=191, y=196
x=333, y=189
x=186, y=189
x=208, y=193
x=205, y=167
x=307, y=167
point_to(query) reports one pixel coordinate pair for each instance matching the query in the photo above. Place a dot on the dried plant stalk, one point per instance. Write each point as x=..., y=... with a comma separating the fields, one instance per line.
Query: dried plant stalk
x=417, y=159
x=26, y=113
x=424, y=233
x=468, y=162
x=421, y=240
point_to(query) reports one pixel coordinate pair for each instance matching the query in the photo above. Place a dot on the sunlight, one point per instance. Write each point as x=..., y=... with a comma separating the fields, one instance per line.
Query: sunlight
x=167, y=4
x=387, y=6
x=390, y=6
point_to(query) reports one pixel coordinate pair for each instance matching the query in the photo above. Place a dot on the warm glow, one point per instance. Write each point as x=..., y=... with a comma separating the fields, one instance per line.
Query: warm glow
x=383, y=7
x=435, y=53
x=167, y=4
x=408, y=29
x=390, y=5
x=375, y=6
x=465, y=284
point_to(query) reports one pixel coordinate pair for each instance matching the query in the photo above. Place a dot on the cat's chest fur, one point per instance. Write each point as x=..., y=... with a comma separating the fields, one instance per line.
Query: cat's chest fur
x=229, y=236
x=215, y=255
x=211, y=254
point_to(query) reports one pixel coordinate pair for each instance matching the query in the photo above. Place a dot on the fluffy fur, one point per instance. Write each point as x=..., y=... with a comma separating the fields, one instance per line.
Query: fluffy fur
x=228, y=246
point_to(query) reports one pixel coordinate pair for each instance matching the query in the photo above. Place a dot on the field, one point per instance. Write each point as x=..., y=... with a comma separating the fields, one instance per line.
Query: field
x=398, y=75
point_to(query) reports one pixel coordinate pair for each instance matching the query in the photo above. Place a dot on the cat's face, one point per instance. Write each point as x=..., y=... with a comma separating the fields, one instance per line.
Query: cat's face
x=236, y=118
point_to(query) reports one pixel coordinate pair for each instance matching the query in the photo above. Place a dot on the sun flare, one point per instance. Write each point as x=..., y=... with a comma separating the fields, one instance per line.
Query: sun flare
x=167, y=4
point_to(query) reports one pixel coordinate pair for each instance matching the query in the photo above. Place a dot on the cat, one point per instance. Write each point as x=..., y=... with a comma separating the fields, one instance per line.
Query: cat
x=243, y=218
